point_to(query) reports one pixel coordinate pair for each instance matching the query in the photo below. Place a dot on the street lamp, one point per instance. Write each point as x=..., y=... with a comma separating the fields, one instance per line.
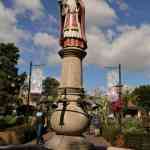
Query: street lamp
x=119, y=73
x=29, y=82
x=119, y=84
x=119, y=91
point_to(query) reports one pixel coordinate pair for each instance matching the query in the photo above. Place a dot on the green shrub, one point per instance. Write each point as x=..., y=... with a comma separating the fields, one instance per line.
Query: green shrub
x=134, y=133
x=110, y=132
x=132, y=125
x=10, y=120
x=7, y=121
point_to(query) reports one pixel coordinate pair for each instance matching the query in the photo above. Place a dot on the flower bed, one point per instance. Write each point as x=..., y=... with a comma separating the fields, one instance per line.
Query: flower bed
x=138, y=141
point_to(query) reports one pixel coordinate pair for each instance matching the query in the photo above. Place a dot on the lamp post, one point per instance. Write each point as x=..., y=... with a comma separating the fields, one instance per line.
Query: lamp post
x=30, y=77
x=29, y=89
x=120, y=96
x=119, y=84
x=120, y=81
x=119, y=91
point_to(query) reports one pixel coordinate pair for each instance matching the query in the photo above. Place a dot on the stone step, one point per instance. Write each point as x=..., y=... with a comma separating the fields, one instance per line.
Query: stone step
x=116, y=148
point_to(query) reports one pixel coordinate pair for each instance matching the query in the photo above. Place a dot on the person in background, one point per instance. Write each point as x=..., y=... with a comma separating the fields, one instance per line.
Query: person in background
x=97, y=125
x=39, y=122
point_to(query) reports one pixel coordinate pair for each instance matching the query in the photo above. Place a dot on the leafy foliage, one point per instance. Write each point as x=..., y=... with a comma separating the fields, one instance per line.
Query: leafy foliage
x=143, y=96
x=10, y=81
x=7, y=121
x=111, y=131
x=50, y=86
x=104, y=110
x=132, y=125
x=128, y=96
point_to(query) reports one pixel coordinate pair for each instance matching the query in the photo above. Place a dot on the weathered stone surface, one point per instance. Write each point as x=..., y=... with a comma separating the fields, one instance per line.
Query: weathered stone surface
x=75, y=121
x=13, y=135
x=69, y=120
x=71, y=72
x=61, y=142
x=115, y=148
x=23, y=147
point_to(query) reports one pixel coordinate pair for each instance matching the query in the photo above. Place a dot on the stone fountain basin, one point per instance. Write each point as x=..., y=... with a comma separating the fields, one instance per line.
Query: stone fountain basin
x=23, y=147
x=76, y=121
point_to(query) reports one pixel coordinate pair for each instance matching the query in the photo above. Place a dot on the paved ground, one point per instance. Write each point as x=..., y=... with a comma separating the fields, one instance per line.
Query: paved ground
x=98, y=141
x=92, y=139
x=115, y=148
x=46, y=137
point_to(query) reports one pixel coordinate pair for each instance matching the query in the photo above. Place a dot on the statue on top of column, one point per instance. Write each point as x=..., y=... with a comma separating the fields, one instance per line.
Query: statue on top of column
x=72, y=24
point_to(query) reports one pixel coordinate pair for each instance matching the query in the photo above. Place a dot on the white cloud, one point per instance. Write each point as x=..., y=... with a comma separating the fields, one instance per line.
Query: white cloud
x=58, y=78
x=103, y=16
x=99, y=13
x=131, y=48
x=8, y=29
x=129, y=45
x=45, y=40
x=21, y=62
x=35, y=6
x=98, y=47
x=50, y=47
x=122, y=5
x=53, y=58
x=28, y=4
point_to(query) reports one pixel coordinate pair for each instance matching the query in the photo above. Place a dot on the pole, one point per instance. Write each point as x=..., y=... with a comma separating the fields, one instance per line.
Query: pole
x=120, y=82
x=29, y=82
x=29, y=89
x=120, y=96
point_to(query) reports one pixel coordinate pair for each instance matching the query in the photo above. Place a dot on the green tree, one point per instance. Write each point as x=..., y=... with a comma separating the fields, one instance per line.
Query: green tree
x=10, y=81
x=50, y=87
x=128, y=97
x=104, y=110
x=143, y=96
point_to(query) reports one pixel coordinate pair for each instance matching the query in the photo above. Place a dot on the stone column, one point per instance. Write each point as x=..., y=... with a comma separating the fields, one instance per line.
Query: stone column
x=71, y=78
x=70, y=118
x=75, y=120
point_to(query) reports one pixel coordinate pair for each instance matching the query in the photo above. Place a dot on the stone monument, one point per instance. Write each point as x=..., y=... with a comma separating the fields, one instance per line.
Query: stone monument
x=70, y=118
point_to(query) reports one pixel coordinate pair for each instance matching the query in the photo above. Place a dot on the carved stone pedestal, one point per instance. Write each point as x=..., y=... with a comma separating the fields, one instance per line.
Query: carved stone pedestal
x=62, y=142
x=70, y=118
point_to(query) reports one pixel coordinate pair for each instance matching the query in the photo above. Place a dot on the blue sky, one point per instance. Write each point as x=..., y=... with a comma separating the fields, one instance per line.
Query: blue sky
x=118, y=31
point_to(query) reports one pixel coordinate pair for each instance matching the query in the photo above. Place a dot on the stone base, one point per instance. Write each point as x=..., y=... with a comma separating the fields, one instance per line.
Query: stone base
x=62, y=142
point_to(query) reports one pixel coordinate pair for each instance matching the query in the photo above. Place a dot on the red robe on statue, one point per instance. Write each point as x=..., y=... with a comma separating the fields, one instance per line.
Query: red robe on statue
x=73, y=24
